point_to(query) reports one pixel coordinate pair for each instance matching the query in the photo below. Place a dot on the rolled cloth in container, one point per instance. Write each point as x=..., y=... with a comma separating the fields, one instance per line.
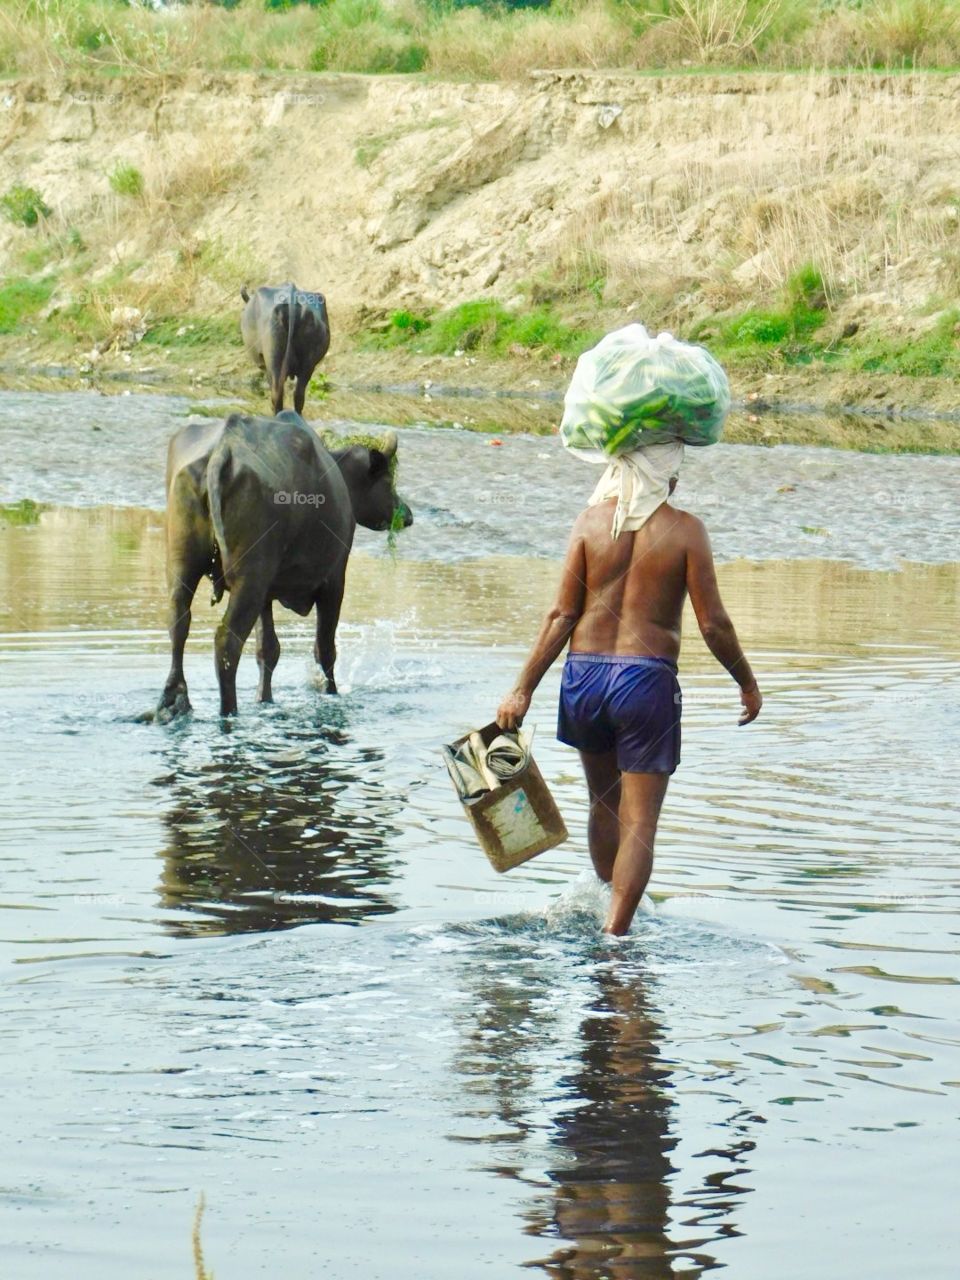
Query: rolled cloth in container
x=478, y=767
x=640, y=482
x=506, y=755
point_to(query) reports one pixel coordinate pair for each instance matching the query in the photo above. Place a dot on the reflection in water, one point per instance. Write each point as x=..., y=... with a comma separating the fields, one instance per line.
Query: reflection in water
x=611, y=1208
x=287, y=825
x=610, y=1202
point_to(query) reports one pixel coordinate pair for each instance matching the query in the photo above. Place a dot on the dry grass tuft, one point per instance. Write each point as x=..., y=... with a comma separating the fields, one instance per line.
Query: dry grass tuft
x=199, y=1266
x=185, y=190
x=891, y=33
x=912, y=32
x=712, y=31
x=471, y=43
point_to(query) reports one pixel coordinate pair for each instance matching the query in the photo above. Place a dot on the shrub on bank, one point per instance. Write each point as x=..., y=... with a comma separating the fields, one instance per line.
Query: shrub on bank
x=24, y=206
x=126, y=180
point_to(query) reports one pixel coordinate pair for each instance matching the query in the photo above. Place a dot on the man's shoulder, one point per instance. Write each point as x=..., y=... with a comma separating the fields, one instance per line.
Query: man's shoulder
x=686, y=521
x=595, y=517
x=691, y=533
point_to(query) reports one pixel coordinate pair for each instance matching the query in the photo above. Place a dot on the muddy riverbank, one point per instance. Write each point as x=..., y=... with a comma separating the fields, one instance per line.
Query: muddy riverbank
x=891, y=415
x=802, y=225
x=761, y=502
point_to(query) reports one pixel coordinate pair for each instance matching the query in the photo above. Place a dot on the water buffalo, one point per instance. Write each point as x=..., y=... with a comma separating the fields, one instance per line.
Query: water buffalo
x=260, y=506
x=287, y=333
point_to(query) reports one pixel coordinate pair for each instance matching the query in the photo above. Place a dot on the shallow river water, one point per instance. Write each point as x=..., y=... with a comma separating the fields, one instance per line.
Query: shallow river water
x=267, y=962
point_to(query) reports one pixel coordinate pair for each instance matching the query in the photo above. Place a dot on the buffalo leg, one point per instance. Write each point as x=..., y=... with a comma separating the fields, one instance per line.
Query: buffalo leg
x=328, y=615
x=174, y=700
x=300, y=393
x=242, y=612
x=268, y=653
x=276, y=393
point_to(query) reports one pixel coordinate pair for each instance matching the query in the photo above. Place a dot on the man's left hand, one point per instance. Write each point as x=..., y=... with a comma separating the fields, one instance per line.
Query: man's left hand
x=512, y=709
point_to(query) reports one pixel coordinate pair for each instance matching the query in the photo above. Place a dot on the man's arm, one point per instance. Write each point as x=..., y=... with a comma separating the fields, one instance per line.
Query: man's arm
x=555, y=631
x=714, y=621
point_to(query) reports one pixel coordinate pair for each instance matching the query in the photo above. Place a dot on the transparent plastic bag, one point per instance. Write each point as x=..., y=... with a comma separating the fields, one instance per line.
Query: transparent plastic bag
x=632, y=390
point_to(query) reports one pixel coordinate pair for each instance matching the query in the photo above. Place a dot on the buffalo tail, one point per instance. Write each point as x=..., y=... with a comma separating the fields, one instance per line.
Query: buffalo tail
x=291, y=323
x=219, y=472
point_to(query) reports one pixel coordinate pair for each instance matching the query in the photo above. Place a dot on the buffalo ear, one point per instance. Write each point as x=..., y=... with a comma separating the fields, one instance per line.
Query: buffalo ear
x=379, y=464
x=244, y=293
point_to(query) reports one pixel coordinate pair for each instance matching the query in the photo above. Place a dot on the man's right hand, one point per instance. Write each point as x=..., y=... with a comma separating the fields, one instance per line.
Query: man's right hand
x=752, y=701
x=512, y=709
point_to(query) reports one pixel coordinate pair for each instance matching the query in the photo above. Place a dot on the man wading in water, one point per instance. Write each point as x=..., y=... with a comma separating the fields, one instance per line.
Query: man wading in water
x=631, y=561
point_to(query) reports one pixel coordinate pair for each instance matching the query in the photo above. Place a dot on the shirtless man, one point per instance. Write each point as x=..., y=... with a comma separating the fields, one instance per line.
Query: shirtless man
x=619, y=604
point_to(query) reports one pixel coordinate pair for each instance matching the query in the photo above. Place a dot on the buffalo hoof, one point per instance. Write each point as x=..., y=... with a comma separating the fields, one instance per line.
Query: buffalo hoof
x=173, y=705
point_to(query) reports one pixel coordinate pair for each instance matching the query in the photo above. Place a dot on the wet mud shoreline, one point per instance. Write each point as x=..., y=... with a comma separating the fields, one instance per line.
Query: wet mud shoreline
x=911, y=416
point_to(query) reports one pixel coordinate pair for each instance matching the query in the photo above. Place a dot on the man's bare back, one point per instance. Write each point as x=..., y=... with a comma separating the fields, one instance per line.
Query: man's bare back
x=635, y=584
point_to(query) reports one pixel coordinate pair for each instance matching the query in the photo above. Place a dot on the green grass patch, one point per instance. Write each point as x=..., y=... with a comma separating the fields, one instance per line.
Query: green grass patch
x=934, y=354
x=126, y=180
x=222, y=411
x=780, y=332
x=371, y=146
x=485, y=326
x=371, y=37
x=24, y=206
x=35, y=257
x=194, y=331
x=21, y=299
x=401, y=328
x=781, y=328
x=41, y=253
x=26, y=511
x=790, y=336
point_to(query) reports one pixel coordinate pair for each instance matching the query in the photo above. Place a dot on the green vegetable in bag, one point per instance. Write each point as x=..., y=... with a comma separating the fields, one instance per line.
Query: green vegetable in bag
x=632, y=390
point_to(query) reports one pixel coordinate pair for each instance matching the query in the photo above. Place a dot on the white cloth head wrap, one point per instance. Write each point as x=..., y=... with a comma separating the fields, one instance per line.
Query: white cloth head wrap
x=640, y=482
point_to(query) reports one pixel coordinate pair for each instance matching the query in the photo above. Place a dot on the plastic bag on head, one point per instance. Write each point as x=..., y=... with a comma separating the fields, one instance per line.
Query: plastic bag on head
x=632, y=390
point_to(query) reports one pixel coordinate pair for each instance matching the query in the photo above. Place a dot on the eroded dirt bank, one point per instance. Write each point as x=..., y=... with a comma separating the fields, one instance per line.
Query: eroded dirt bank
x=605, y=195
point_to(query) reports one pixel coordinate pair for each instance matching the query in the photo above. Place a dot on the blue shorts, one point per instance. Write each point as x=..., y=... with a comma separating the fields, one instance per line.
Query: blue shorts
x=619, y=701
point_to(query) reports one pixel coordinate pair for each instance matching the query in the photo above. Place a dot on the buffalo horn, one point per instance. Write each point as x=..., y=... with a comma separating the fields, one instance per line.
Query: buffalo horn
x=389, y=446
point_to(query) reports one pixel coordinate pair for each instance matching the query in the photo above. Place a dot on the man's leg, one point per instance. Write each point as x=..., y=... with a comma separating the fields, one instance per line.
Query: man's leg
x=641, y=795
x=603, y=826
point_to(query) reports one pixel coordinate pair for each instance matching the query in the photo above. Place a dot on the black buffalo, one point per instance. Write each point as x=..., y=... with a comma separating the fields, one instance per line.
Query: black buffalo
x=262, y=508
x=287, y=333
